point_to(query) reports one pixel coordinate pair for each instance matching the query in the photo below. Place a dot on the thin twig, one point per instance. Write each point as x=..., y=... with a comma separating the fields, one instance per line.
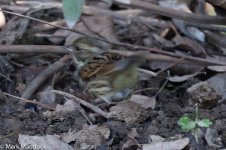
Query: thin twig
x=122, y=44
x=4, y=76
x=170, y=66
x=55, y=25
x=160, y=90
x=208, y=27
x=9, y=135
x=181, y=59
x=90, y=10
x=90, y=106
x=30, y=101
x=162, y=87
x=101, y=39
x=145, y=89
x=188, y=59
x=83, y=112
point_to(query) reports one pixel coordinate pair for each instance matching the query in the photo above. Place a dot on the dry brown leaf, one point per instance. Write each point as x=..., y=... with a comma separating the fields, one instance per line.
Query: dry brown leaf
x=189, y=45
x=91, y=137
x=13, y=30
x=182, y=78
x=49, y=142
x=69, y=105
x=212, y=138
x=220, y=3
x=217, y=68
x=209, y=9
x=218, y=82
x=144, y=101
x=70, y=136
x=129, y=112
x=100, y=25
x=173, y=145
x=73, y=36
x=61, y=110
x=88, y=138
x=156, y=138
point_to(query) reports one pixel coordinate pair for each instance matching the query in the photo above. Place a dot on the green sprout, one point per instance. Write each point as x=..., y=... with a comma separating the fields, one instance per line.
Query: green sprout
x=187, y=124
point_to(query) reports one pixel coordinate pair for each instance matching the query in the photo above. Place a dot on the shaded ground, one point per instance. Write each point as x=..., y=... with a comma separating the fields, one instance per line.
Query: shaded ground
x=171, y=105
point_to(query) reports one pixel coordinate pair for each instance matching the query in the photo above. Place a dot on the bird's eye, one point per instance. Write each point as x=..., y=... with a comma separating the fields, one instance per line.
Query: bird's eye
x=77, y=48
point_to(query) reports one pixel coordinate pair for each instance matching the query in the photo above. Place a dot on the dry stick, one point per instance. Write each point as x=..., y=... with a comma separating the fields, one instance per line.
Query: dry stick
x=116, y=14
x=43, y=76
x=15, y=8
x=44, y=35
x=149, y=56
x=101, y=39
x=89, y=10
x=190, y=17
x=30, y=101
x=32, y=49
x=207, y=27
x=4, y=76
x=145, y=89
x=182, y=59
x=162, y=87
x=90, y=106
x=55, y=25
x=202, y=61
x=170, y=66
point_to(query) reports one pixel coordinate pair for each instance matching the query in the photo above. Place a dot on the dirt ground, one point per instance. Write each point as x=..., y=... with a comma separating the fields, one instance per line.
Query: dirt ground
x=171, y=105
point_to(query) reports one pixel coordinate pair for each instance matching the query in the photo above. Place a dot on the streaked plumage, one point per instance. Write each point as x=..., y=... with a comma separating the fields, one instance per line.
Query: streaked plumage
x=106, y=75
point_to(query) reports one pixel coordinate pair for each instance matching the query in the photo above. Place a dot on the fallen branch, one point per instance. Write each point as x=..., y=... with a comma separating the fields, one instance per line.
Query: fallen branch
x=149, y=56
x=32, y=49
x=43, y=76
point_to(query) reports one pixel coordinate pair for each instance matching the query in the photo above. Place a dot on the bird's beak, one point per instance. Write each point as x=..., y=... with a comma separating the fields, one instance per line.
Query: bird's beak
x=69, y=48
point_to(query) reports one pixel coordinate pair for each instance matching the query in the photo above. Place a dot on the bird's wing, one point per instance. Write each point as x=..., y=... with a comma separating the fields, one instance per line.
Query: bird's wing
x=99, y=65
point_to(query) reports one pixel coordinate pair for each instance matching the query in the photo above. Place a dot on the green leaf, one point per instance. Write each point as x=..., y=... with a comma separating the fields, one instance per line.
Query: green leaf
x=72, y=10
x=186, y=123
x=204, y=123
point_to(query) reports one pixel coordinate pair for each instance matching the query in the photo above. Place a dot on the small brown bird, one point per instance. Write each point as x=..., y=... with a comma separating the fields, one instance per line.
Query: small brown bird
x=106, y=75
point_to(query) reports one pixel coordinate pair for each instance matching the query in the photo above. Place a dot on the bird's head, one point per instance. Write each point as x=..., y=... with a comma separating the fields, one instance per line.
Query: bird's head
x=84, y=48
